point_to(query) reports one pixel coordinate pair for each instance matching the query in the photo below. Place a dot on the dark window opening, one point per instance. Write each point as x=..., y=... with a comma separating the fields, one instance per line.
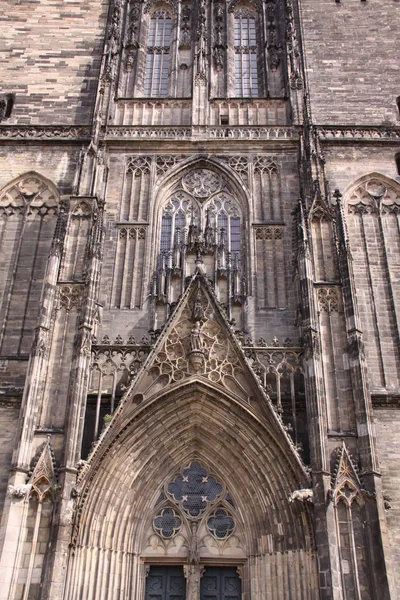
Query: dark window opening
x=224, y=120
x=397, y=159
x=6, y=106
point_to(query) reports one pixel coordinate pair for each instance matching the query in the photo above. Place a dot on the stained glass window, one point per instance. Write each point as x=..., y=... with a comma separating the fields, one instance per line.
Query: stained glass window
x=167, y=523
x=194, y=489
x=220, y=523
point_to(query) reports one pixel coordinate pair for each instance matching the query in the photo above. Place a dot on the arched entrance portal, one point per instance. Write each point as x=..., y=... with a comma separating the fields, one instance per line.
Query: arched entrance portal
x=192, y=479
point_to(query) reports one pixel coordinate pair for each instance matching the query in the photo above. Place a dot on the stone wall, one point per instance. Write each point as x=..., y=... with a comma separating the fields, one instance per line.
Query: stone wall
x=387, y=423
x=50, y=58
x=352, y=67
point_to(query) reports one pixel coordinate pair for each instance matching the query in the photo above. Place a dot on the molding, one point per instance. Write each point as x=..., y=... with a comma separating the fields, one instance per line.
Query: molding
x=239, y=132
x=355, y=133
x=386, y=400
x=45, y=132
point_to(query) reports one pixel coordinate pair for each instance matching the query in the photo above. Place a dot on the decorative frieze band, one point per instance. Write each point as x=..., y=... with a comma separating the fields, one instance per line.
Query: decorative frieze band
x=35, y=132
x=359, y=133
x=231, y=132
x=269, y=232
x=131, y=232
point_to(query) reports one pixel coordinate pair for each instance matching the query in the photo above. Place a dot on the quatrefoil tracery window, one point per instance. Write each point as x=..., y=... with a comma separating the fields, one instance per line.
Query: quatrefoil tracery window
x=198, y=495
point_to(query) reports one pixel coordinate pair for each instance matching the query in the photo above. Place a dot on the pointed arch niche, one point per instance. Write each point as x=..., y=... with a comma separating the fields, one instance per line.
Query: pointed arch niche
x=135, y=486
x=372, y=209
x=28, y=213
x=199, y=220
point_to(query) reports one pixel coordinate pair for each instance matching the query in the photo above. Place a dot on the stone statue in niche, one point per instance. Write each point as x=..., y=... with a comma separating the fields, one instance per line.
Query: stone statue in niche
x=193, y=555
x=196, y=338
x=198, y=309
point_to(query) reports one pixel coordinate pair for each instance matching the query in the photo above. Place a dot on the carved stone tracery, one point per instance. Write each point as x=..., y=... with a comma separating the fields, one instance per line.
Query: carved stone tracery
x=201, y=183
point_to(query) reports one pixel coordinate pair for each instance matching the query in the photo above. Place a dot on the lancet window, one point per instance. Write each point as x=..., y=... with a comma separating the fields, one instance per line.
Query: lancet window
x=158, y=52
x=246, y=71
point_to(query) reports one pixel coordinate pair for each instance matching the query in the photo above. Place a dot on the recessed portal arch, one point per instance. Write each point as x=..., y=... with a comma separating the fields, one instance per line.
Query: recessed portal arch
x=143, y=452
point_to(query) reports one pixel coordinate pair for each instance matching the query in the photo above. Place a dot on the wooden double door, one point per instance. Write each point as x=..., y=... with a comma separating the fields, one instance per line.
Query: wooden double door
x=169, y=583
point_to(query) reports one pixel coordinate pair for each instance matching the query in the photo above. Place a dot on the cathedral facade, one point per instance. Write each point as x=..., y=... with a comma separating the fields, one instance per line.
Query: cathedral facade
x=200, y=300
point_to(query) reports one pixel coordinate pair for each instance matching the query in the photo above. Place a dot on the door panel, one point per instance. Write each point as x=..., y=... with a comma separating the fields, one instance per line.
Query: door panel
x=220, y=583
x=165, y=583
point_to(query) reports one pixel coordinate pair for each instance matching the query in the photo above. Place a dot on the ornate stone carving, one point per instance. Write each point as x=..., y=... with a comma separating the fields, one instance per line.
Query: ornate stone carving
x=40, y=342
x=201, y=46
x=255, y=3
x=19, y=491
x=139, y=164
x=45, y=132
x=31, y=195
x=132, y=232
x=203, y=348
x=269, y=232
x=359, y=133
x=295, y=78
x=201, y=183
x=83, y=341
x=239, y=164
x=42, y=478
x=165, y=162
x=133, y=132
x=346, y=483
x=273, y=44
x=71, y=296
x=329, y=299
x=312, y=348
x=304, y=495
x=355, y=344
x=374, y=197
x=132, y=37
x=265, y=163
x=185, y=40
x=219, y=46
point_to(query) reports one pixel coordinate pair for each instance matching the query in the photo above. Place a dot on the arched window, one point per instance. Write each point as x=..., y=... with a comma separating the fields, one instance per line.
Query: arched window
x=222, y=218
x=246, y=72
x=177, y=216
x=157, y=59
x=216, y=226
